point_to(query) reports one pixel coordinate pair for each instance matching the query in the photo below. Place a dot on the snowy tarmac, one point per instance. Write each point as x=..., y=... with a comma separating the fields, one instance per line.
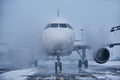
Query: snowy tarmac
x=45, y=71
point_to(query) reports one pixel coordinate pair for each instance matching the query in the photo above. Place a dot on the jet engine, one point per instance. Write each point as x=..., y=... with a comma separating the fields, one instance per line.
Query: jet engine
x=101, y=55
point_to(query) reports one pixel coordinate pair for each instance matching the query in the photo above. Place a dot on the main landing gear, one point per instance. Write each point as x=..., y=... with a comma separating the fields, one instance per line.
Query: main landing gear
x=82, y=62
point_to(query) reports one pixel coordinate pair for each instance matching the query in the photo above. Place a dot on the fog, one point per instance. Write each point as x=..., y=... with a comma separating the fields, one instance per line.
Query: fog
x=21, y=23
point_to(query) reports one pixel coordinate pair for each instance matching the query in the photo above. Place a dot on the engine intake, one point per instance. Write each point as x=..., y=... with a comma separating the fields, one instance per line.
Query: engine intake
x=101, y=55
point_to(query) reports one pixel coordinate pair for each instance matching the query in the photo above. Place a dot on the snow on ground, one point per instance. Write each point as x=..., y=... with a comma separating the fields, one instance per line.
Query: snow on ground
x=107, y=77
x=109, y=63
x=18, y=74
x=113, y=77
x=68, y=66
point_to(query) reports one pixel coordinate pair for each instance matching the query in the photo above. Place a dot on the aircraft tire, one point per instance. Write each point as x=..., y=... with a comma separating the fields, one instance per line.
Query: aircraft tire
x=86, y=63
x=79, y=63
x=56, y=70
x=60, y=67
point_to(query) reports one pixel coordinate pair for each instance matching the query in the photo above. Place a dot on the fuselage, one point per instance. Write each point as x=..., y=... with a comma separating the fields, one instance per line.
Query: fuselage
x=58, y=38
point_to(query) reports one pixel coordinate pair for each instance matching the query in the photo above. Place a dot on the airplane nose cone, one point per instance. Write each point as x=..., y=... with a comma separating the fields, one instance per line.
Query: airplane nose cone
x=59, y=45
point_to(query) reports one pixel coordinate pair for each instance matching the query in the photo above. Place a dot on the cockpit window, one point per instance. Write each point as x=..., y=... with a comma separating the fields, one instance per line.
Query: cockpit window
x=63, y=25
x=47, y=26
x=69, y=26
x=58, y=25
x=54, y=25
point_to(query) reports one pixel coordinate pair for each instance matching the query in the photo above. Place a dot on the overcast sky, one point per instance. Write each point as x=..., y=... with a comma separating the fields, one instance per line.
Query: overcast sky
x=21, y=21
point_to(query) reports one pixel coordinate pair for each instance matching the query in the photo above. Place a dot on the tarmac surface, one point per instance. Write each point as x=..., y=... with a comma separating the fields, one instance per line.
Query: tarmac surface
x=108, y=71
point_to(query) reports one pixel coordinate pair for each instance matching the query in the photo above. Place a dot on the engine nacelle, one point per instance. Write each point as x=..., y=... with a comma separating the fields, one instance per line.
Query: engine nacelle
x=102, y=55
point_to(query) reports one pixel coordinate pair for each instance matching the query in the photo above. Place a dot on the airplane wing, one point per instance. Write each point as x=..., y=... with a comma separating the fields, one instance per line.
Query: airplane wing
x=80, y=47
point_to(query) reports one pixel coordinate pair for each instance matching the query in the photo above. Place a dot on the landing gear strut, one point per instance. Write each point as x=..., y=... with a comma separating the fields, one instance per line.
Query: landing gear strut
x=36, y=63
x=58, y=65
x=82, y=62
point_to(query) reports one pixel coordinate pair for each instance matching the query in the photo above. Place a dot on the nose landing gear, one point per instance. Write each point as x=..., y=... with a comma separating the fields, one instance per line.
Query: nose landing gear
x=82, y=62
x=58, y=65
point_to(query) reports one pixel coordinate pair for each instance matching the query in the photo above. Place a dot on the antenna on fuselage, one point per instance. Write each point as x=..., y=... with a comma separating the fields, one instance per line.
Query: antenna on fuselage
x=58, y=13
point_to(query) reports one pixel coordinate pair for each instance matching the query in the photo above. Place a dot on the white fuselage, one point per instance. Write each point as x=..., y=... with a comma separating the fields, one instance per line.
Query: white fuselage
x=58, y=40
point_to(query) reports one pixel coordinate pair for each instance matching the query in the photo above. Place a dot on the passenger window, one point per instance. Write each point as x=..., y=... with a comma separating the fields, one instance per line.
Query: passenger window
x=63, y=25
x=54, y=25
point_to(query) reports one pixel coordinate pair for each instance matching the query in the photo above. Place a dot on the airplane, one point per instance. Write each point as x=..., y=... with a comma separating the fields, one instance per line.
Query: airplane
x=58, y=39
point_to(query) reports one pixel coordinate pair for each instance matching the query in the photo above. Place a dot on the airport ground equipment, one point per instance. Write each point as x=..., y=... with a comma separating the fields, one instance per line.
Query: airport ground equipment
x=115, y=28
